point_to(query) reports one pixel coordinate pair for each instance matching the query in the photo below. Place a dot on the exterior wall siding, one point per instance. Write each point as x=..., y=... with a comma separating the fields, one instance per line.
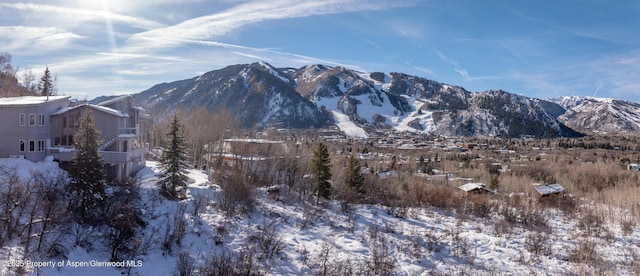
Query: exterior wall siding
x=27, y=122
x=50, y=130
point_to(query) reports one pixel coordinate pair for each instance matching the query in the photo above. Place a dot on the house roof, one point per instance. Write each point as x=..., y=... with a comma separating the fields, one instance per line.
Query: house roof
x=549, y=189
x=472, y=186
x=96, y=107
x=257, y=141
x=475, y=186
x=29, y=100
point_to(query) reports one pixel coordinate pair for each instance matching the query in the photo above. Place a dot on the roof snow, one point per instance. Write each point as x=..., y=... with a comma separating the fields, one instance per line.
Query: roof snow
x=475, y=186
x=29, y=100
x=96, y=107
x=549, y=189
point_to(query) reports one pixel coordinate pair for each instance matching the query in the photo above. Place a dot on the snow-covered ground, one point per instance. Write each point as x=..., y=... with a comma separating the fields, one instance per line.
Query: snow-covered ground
x=305, y=239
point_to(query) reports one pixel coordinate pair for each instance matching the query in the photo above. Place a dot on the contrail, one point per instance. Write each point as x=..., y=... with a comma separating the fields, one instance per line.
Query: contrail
x=597, y=90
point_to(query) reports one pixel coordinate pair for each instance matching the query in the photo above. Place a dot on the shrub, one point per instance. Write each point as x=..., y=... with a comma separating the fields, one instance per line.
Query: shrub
x=185, y=264
x=238, y=195
x=538, y=243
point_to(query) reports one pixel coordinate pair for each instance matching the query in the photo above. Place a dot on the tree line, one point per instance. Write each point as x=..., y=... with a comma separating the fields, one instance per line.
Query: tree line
x=15, y=82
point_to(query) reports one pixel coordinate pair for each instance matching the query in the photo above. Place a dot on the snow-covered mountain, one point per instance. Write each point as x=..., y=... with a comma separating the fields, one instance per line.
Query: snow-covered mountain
x=358, y=103
x=599, y=115
x=258, y=94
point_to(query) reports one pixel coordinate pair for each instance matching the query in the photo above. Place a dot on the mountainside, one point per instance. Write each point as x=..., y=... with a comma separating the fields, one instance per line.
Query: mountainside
x=256, y=93
x=599, y=115
x=358, y=103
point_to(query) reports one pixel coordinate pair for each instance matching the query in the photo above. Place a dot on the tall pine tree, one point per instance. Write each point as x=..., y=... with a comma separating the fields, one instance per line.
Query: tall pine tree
x=321, y=170
x=46, y=86
x=354, y=178
x=173, y=181
x=87, y=185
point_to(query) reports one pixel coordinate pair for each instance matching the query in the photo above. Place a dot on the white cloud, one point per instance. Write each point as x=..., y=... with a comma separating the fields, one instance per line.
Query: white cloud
x=159, y=52
x=66, y=16
x=251, y=56
x=27, y=40
x=420, y=69
x=214, y=25
x=463, y=72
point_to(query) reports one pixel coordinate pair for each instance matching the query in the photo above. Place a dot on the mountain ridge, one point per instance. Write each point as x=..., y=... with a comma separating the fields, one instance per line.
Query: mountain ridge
x=360, y=103
x=599, y=115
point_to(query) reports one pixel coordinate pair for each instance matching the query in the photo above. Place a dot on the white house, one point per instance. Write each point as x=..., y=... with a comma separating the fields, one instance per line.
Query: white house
x=34, y=127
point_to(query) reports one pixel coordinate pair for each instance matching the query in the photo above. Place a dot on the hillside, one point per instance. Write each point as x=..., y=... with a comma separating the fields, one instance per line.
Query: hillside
x=281, y=235
x=358, y=103
x=10, y=87
x=256, y=93
x=600, y=115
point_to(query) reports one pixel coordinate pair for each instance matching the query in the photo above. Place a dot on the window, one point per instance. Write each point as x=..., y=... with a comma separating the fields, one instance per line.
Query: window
x=72, y=121
x=41, y=119
x=22, y=145
x=41, y=145
x=23, y=119
x=32, y=146
x=32, y=119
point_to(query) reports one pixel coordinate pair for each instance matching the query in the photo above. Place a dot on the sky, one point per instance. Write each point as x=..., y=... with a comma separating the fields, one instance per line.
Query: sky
x=540, y=49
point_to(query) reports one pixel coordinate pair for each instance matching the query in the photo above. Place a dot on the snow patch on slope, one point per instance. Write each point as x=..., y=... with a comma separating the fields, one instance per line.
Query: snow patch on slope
x=347, y=126
x=342, y=120
x=273, y=72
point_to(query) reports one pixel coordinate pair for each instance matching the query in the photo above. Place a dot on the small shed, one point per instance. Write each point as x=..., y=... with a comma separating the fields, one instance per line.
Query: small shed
x=550, y=189
x=475, y=188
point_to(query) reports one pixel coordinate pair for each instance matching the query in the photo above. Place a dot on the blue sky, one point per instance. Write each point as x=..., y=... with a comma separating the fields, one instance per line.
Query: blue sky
x=536, y=48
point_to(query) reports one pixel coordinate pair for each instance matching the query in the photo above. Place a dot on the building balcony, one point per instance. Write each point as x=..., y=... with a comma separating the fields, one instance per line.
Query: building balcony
x=109, y=157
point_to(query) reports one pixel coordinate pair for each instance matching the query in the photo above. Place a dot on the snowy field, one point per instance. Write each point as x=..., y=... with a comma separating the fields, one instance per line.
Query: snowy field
x=287, y=237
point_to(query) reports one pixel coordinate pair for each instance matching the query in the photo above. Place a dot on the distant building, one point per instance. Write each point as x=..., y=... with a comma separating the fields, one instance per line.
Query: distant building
x=475, y=188
x=550, y=190
x=233, y=151
x=34, y=127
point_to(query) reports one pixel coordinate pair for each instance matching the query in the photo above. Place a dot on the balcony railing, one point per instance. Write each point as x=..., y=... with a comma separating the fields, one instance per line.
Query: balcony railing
x=127, y=130
x=109, y=157
x=115, y=157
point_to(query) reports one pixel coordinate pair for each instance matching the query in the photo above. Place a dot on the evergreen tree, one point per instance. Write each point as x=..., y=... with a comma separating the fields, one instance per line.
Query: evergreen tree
x=46, y=86
x=321, y=170
x=354, y=178
x=421, y=165
x=88, y=181
x=173, y=181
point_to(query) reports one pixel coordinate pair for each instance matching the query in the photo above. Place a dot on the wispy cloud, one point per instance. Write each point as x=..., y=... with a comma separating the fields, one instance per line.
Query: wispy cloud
x=278, y=57
x=611, y=75
x=73, y=16
x=420, y=69
x=256, y=57
x=608, y=34
x=126, y=51
x=215, y=25
x=376, y=45
x=26, y=40
x=456, y=66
